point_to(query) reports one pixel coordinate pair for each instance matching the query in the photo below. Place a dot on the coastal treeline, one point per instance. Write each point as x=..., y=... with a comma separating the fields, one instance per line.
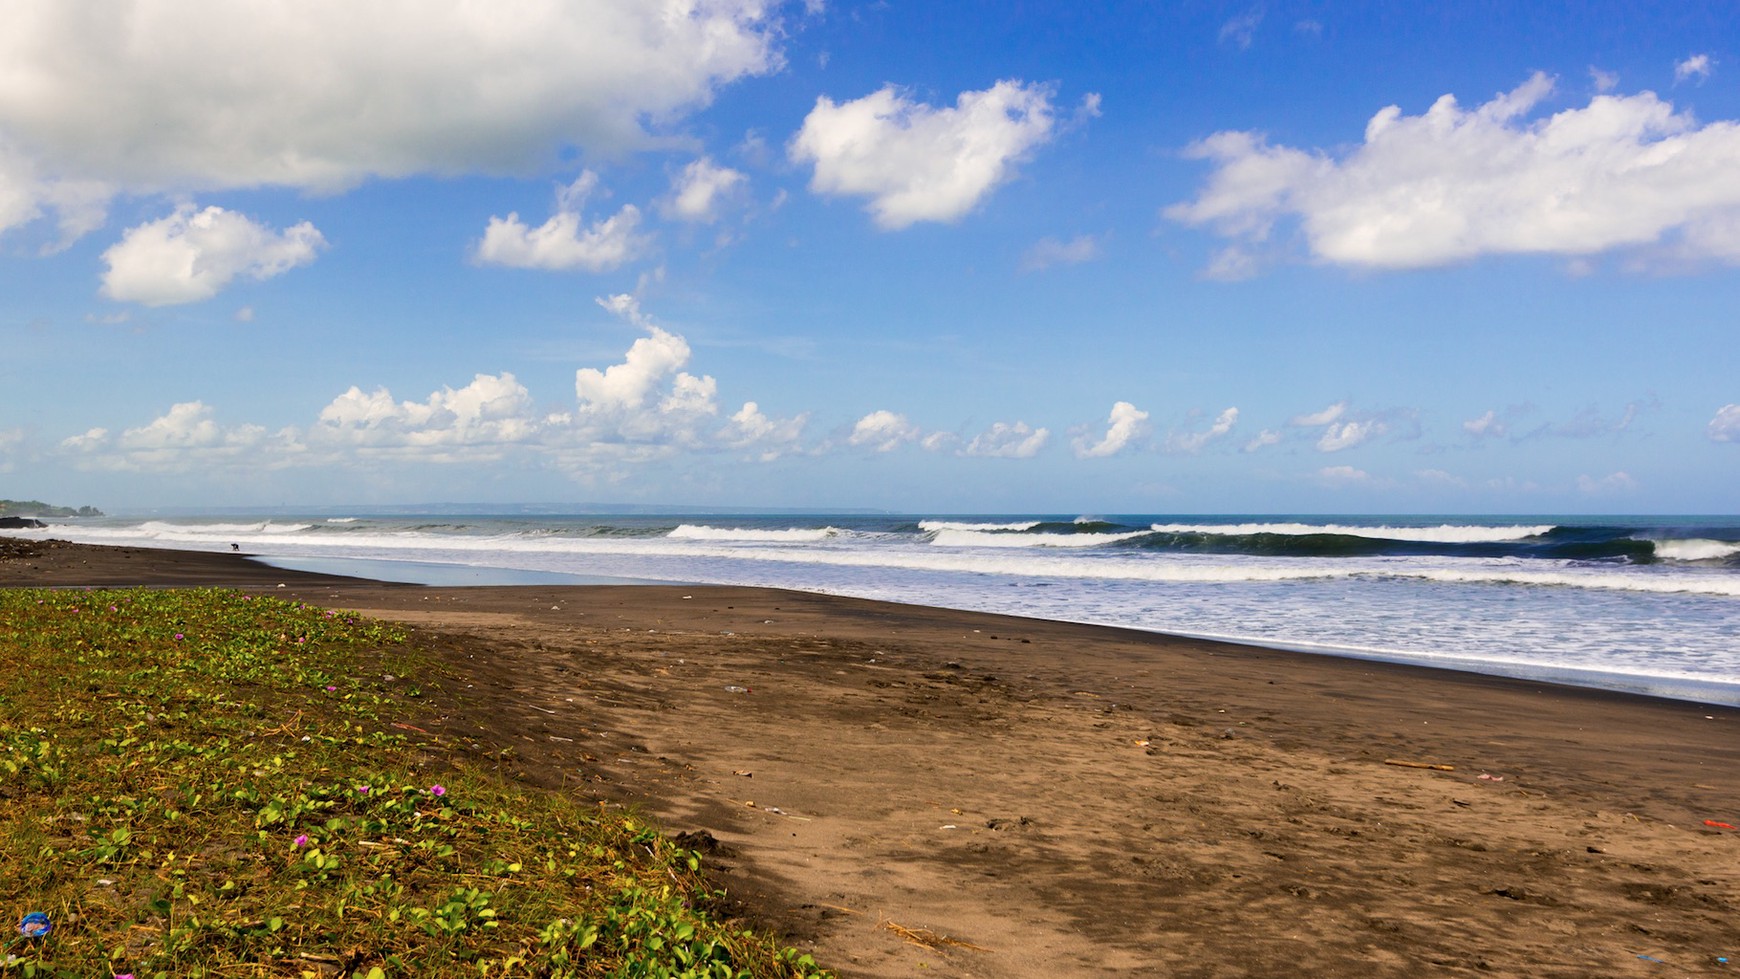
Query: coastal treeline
x=37, y=508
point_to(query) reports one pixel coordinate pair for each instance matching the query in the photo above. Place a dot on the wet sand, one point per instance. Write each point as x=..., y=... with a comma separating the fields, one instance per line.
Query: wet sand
x=914, y=791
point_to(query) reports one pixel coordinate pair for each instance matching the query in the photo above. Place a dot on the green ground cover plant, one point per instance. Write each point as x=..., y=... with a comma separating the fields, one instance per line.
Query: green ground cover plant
x=211, y=783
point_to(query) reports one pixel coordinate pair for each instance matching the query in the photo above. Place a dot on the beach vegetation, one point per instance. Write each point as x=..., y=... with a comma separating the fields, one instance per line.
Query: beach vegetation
x=204, y=782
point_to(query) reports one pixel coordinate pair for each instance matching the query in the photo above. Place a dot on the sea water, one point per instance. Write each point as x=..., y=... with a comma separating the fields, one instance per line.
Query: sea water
x=1643, y=604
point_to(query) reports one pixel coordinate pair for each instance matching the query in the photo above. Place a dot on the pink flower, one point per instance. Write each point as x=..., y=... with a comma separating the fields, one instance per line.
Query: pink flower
x=437, y=791
x=301, y=841
x=330, y=688
x=362, y=790
x=178, y=635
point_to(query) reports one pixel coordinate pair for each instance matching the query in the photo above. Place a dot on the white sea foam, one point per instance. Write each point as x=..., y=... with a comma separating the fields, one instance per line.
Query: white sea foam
x=1696, y=550
x=975, y=538
x=1688, y=584
x=1443, y=534
x=752, y=535
x=341, y=520
x=934, y=525
x=169, y=530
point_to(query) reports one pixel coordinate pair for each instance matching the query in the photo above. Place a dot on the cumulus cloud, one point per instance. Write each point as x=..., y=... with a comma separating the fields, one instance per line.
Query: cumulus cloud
x=917, y=162
x=1264, y=438
x=1454, y=184
x=184, y=438
x=1194, y=441
x=1323, y=417
x=749, y=428
x=1124, y=425
x=1697, y=66
x=1006, y=440
x=1725, y=427
x=191, y=255
x=323, y=94
x=1349, y=434
x=475, y=421
x=701, y=189
x=80, y=206
x=565, y=241
x=1343, y=476
x=1612, y=483
x=1486, y=426
x=645, y=407
x=1047, y=252
x=883, y=431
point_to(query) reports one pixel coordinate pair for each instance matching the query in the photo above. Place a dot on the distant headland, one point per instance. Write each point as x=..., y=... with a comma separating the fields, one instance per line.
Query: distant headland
x=22, y=513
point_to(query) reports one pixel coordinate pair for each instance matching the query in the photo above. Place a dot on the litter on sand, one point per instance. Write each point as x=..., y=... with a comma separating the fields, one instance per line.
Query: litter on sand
x=1718, y=824
x=35, y=925
x=1419, y=764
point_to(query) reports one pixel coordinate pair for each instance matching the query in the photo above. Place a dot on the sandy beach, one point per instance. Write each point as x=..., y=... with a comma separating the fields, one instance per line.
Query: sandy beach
x=913, y=791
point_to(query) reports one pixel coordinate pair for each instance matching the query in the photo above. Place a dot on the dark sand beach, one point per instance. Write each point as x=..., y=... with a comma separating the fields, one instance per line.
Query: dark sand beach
x=913, y=791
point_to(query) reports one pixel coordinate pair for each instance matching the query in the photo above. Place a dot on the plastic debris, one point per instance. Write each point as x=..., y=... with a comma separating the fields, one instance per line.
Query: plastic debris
x=35, y=925
x=1718, y=824
x=734, y=688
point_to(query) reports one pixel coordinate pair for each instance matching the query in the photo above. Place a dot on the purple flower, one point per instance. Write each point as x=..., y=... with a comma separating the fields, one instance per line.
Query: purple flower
x=178, y=635
x=330, y=688
x=437, y=791
x=123, y=975
x=362, y=790
x=300, y=841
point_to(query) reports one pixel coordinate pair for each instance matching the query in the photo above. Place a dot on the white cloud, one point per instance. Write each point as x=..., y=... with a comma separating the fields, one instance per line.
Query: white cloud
x=1241, y=30
x=80, y=206
x=1612, y=483
x=1440, y=478
x=642, y=409
x=1604, y=81
x=1124, y=425
x=1697, y=66
x=1486, y=426
x=323, y=94
x=192, y=255
x=1264, y=438
x=701, y=189
x=1453, y=184
x=1323, y=417
x=1194, y=441
x=1008, y=441
x=1725, y=427
x=1047, y=252
x=1349, y=434
x=917, y=162
x=1230, y=264
x=564, y=242
x=883, y=431
x=774, y=437
x=491, y=412
x=184, y=438
x=1343, y=476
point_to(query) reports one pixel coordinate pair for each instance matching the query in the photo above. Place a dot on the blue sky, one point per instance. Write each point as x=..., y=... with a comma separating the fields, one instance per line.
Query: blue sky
x=968, y=257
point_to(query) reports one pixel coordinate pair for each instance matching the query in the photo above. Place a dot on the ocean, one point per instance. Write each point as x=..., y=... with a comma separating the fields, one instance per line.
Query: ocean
x=1641, y=604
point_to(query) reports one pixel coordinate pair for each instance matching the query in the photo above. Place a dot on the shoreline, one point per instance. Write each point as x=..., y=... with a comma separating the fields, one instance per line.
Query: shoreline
x=1689, y=689
x=1076, y=800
